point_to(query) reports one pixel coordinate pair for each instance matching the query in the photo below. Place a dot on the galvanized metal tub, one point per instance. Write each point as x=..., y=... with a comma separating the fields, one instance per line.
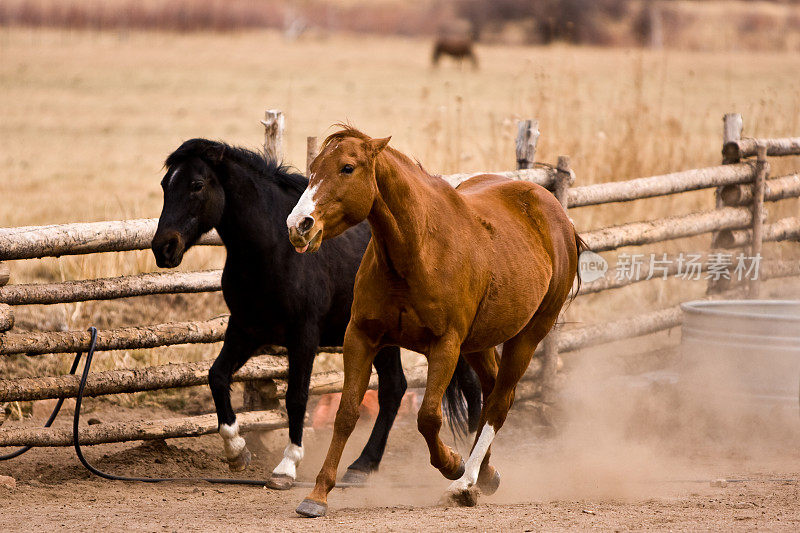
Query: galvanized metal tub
x=747, y=349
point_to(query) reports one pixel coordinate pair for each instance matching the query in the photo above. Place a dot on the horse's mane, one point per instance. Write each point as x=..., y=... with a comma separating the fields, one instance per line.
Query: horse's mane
x=345, y=132
x=215, y=152
x=348, y=131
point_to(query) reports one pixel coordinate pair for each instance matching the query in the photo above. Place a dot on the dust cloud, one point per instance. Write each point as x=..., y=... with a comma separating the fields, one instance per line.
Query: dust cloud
x=623, y=435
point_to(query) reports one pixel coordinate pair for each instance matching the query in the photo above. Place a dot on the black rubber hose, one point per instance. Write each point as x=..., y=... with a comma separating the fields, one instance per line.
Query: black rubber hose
x=50, y=420
x=76, y=420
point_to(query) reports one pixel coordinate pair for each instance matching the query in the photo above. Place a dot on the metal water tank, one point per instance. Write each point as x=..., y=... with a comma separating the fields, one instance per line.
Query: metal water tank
x=747, y=350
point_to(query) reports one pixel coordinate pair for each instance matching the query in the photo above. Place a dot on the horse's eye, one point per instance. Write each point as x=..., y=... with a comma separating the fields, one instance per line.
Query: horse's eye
x=197, y=186
x=348, y=169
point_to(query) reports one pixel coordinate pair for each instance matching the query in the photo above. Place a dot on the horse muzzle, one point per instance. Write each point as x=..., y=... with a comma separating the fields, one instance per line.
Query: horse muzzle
x=307, y=241
x=168, y=249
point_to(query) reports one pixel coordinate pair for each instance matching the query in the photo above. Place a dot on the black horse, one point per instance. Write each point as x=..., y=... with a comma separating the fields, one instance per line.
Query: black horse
x=276, y=296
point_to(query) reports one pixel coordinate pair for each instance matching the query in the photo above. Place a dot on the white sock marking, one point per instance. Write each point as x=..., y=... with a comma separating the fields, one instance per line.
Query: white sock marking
x=305, y=206
x=231, y=441
x=292, y=455
x=473, y=465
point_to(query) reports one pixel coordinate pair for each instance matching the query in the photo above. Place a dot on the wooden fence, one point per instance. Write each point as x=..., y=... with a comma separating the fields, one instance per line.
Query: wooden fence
x=742, y=185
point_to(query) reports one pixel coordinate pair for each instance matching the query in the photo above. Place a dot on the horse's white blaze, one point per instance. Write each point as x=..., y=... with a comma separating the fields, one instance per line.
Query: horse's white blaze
x=473, y=466
x=232, y=442
x=172, y=176
x=292, y=455
x=305, y=206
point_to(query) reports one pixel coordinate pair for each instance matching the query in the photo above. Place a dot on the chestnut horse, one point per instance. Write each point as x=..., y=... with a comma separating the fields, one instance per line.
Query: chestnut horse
x=447, y=272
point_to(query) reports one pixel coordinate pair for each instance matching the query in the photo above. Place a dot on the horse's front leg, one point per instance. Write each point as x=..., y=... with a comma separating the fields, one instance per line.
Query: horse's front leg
x=236, y=350
x=391, y=388
x=442, y=360
x=302, y=349
x=359, y=351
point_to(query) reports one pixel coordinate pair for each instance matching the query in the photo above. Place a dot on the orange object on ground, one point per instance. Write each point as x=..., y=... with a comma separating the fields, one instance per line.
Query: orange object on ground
x=325, y=412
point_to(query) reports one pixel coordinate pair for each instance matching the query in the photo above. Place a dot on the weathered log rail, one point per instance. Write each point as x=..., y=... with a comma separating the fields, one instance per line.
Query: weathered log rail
x=742, y=186
x=137, y=337
x=654, y=186
x=193, y=426
x=742, y=148
x=678, y=227
x=112, y=288
x=32, y=242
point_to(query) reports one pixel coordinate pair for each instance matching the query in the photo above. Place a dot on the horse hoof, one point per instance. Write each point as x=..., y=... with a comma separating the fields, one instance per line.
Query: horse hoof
x=355, y=477
x=311, y=508
x=490, y=485
x=457, y=474
x=280, y=482
x=463, y=497
x=242, y=461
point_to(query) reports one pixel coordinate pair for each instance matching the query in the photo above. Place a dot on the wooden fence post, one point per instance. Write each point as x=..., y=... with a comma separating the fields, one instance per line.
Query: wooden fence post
x=732, y=126
x=6, y=311
x=527, y=137
x=6, y=317
x=312, y=149
x=547, y=373
x=273, y=133
x=731, y=132
x=262, y=395
x=759, y=185
x=5, y=274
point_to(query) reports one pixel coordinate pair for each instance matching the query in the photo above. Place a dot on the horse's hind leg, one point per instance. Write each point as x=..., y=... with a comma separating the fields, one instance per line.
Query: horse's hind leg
x=517, y=354
x=391, y=387
x=236, y=350
x=484, y=364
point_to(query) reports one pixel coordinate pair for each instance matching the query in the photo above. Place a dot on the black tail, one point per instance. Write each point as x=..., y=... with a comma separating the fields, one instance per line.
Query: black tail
x=462, y=400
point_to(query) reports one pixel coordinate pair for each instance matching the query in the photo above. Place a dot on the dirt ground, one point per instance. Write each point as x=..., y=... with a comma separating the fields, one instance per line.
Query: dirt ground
x=585, y=475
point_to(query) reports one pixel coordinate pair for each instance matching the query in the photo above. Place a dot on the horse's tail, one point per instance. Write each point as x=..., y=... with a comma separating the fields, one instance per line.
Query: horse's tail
x=462, y=400
x=582, y=247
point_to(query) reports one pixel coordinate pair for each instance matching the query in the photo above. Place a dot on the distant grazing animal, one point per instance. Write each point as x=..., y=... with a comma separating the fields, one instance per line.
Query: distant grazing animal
x=458, y=48
x=276, y=296
x=448, y=272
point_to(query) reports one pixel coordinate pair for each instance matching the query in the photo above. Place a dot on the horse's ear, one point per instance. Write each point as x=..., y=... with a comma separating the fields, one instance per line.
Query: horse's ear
x=376, y=145
x=215, y=152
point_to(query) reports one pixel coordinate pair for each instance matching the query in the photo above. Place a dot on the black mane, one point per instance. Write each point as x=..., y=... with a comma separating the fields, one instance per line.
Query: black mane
x=214, y=152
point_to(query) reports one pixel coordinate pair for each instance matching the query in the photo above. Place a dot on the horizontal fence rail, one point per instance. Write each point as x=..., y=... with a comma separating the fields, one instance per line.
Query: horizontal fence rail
x=112, y=288
x=136, y=380
x=664, y=229
x=82, y=238
x=544, y=176
x=129, y=338
x=677, y=182
x=199, y=332
x=774, y=190
x=741, y=148
x=191, y=426
x=785, y=229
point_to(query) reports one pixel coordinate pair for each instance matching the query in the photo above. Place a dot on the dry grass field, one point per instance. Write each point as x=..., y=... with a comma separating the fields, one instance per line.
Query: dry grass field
x=88, y=118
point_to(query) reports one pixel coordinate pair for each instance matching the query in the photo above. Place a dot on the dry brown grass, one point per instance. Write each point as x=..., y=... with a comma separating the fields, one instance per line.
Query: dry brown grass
x=89, y=117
